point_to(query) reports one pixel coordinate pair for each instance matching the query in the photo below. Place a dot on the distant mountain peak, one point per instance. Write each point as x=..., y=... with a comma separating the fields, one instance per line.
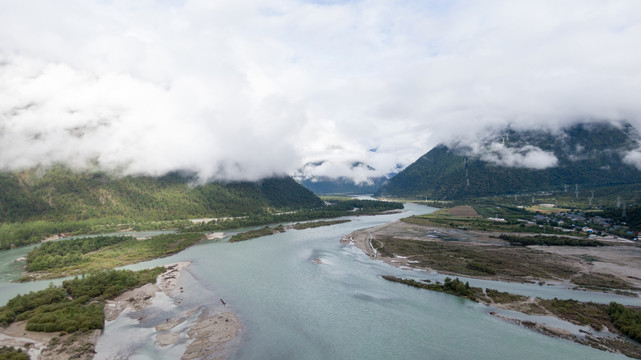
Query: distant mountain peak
x=320, y=178
x=512, y=161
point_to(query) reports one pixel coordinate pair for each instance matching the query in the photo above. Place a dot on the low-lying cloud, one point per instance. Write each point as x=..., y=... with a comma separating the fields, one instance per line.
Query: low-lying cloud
x=528, y=156
x=245, y=89
x=633, y=158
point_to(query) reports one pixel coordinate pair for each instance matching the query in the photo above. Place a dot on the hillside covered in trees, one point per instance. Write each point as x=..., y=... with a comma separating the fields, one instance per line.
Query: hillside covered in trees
x=587, y=155
x=61, y=194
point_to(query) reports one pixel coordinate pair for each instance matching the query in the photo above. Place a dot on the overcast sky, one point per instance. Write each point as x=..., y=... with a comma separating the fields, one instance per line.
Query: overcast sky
x=245, y=89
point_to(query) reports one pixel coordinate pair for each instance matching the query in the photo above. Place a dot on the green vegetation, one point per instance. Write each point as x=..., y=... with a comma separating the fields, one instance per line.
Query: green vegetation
x=458, y=288
x=63, y=202
x=47, y=261
x=443, y=173
x=453, y=287
x=29, y=232
x=60, y=254
x=60, y=194
x=580, y=313
x=252, y=234
x=598, y=316
x=627, y=320
x=632, y=216
x=315, y=224
x=510, y=213
x=76, y=256
x=500, y=297
x=337, y=208
x=9, y=353
x=75, y=306
x=35, y=204
x=480, y=268
x=104, y=285
x=549, y=240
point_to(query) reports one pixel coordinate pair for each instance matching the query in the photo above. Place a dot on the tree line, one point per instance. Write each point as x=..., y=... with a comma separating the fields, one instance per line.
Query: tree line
x=548, y=240
x=337, y=208
x=77, y=305
x=58, y=254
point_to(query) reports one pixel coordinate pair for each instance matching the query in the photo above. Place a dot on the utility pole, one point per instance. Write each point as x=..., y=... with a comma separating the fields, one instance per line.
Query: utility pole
x=576, y=190
x=591, y=197
x=467, y=175
x=618, y=202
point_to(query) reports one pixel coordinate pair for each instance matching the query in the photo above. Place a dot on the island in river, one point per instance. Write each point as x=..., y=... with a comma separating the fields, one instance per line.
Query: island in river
x=482, y=254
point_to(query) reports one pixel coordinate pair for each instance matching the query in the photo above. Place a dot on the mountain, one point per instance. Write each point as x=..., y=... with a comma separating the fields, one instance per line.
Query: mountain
x=589, y=154
x=309, y=177
x=323, y=185
x=61, y=194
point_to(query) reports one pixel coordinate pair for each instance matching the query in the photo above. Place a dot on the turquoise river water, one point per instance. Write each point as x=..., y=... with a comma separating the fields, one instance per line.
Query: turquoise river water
x=292, y=307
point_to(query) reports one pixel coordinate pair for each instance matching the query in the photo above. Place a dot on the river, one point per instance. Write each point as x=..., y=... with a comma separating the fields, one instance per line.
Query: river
x=292, y=307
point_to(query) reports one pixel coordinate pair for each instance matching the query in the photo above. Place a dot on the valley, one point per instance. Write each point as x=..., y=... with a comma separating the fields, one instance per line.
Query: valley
x=544, y=237
x=459, y=242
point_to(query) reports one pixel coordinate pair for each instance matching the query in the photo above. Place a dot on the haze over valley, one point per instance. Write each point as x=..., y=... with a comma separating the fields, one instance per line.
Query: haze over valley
x=320, y=179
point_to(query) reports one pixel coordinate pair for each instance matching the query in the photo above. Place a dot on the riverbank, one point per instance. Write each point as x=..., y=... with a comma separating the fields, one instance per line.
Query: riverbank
x=483, y=255
x=476, y=254
x=78, y=256
x=199, y=332
x=588, y=324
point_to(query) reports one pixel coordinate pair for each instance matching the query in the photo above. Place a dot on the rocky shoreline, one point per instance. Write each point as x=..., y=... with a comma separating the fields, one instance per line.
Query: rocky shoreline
x=203, y=333
x=206, y=334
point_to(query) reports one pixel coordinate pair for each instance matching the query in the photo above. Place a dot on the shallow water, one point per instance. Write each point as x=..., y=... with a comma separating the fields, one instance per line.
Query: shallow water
x=11, y=267
x=293, y=308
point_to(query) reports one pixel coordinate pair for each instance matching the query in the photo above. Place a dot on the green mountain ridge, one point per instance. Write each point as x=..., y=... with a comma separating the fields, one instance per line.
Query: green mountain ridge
x=61, y=194
x=588, y=155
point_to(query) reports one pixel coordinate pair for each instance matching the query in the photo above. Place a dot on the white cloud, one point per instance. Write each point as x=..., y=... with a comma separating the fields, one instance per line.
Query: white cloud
x=245, y=89
x=633, y=158
x=530, y=157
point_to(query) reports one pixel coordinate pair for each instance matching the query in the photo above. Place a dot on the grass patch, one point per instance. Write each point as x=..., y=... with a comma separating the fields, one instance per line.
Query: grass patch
x=122, y=252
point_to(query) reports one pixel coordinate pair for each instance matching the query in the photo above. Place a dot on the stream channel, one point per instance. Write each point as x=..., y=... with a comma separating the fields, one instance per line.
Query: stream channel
x=293, y=307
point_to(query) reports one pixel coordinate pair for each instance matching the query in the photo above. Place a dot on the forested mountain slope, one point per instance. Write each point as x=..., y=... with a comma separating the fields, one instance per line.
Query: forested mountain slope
x=61, y=194
x=586, y=154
